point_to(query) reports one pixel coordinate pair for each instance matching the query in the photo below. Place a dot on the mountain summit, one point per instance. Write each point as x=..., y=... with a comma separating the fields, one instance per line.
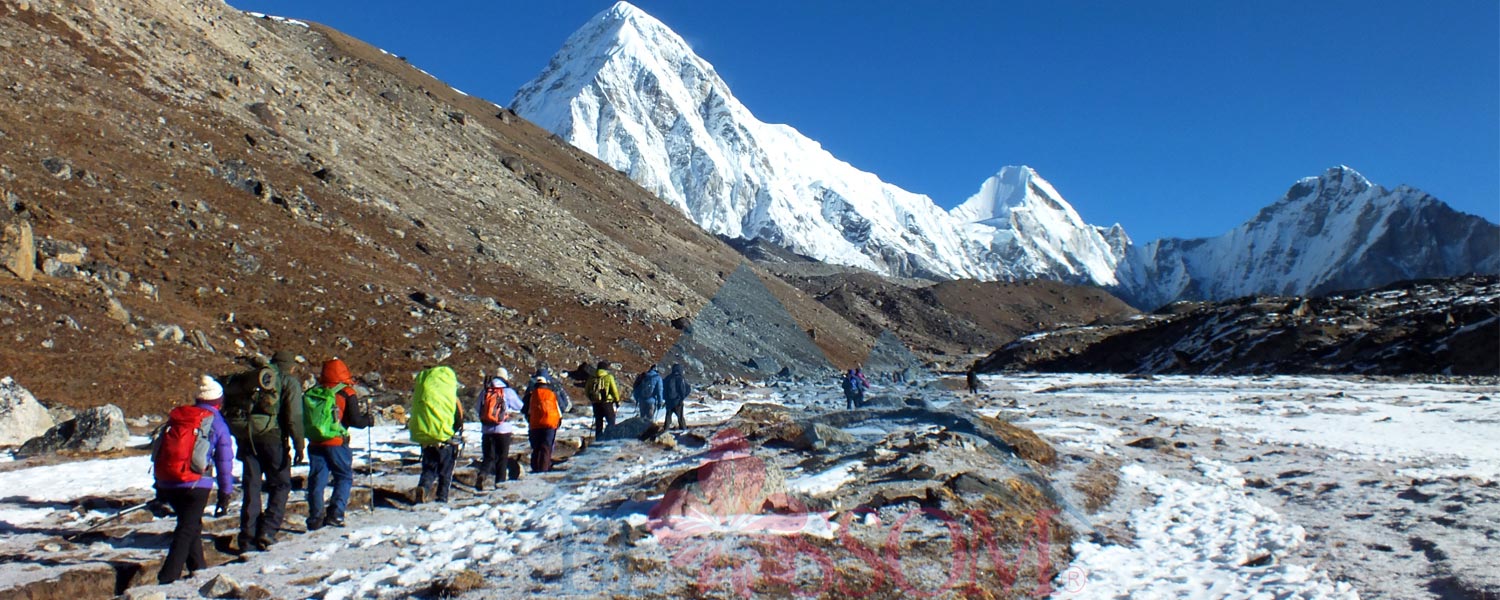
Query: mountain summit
x=628, y=90
x=1337, y=231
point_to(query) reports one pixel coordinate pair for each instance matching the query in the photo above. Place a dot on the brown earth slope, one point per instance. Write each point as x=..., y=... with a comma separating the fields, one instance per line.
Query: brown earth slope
x=951, y=321
x=205, y=185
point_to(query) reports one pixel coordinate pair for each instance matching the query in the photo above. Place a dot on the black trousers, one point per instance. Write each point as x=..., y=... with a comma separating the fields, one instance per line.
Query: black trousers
x=187, y=539
x=437, y=467
x=268, y=468
x=677, y=409
x=542, y=440
x=496, y=448
x=603, y=411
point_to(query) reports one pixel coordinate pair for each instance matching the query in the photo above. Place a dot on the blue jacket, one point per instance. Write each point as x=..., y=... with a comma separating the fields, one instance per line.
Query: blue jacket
x=220, y=454
x=648, y=388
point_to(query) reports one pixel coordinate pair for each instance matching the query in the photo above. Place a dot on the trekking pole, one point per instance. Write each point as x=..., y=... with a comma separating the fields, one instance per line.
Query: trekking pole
x=370, y=463
x=115, y=517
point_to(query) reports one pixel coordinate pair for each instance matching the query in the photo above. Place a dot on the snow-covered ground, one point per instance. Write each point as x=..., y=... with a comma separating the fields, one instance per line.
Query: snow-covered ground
x=1274, y=487
x=1301, y=487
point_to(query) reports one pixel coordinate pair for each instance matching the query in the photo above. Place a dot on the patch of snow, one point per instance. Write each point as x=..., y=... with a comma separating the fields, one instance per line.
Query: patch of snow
x=1199, y=540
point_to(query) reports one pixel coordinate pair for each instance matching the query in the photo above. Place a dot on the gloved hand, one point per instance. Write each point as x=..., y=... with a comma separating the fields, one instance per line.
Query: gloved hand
x=221, y=508
x=300, y=458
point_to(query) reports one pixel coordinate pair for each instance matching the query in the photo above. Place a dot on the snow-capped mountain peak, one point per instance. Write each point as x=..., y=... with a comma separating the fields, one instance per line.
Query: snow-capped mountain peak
x=628, y=90
x=1337, y=231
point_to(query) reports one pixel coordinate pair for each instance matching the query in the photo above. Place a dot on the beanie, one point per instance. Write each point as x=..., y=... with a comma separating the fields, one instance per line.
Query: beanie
x=503, y=373
x=284, y=357
x=210, y=391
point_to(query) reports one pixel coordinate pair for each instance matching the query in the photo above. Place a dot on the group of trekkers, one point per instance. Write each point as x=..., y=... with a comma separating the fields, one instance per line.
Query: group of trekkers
x=266, y=420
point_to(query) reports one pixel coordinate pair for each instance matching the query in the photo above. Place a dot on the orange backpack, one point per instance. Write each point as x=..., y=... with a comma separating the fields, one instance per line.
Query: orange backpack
x=492, y=408
x=544, y=412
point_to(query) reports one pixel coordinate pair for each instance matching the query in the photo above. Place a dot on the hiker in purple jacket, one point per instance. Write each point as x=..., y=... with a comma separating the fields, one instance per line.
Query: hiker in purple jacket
x=188, y=499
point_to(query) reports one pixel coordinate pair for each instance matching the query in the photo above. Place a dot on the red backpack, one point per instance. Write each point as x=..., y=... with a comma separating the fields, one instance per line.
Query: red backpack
x=179, y=454
x=492, y=408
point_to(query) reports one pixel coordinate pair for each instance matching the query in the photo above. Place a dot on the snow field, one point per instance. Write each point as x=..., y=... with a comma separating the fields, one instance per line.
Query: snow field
x=1198, y=541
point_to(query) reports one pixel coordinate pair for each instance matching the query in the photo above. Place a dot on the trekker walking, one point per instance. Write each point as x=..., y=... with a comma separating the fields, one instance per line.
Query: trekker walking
x=604, y=397
x=191, y=454
x=328, y=411
x=436, y=424
x=854, y=389
x=497, y=402
x=675, y=390
x=544, y=408
x=648, y=393
x=265, y=417
x=973, y=380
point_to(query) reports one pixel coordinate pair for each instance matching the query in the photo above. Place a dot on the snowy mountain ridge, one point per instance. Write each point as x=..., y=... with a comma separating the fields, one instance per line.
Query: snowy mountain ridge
x=1337, y=231
x=630, y=91
x=627, y=89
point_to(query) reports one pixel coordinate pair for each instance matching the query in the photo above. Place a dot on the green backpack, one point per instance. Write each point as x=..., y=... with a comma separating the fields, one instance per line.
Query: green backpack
x=434, y=402
x=252, y=403
x=319, y=405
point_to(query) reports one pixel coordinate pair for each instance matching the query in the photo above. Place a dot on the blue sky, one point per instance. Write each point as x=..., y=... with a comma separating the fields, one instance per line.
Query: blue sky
x=1175, y=118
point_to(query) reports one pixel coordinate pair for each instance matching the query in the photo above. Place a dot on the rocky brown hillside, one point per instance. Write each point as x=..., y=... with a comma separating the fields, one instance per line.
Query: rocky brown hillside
x=949, y=321
x=1441, y=327
x=199, y=185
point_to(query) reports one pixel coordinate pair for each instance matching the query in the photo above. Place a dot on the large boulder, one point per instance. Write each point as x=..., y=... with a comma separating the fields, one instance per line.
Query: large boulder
x=738, y=485
x=98, y=429
x=21, y=416
x=634, y=428
x=817, y=436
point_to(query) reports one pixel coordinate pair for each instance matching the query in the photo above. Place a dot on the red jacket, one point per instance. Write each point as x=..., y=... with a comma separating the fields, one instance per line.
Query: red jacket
x=336, y=372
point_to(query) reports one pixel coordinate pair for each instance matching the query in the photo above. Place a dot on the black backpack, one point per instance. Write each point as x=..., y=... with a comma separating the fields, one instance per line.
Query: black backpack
x=252, y=403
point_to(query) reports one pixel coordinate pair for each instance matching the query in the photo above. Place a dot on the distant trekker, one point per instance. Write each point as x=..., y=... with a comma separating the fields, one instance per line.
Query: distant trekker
x=675, y=390
x=436, y=424
x=647, y=393
x=972, y=378
x=265, y=416
x=498, y=405
x=604, y=396
x=854, y=389
x=192, y=453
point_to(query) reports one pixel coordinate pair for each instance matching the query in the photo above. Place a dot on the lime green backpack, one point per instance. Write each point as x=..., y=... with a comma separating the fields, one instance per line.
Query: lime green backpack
x=320, y=413
x=434, y=403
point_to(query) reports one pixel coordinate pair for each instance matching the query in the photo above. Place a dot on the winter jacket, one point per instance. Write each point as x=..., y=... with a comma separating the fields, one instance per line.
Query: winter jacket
x=609, y=391
x=675, y=388
x=335, y=372
x=290, y=415
x=513, y=406
x=648, y=388
x=220, y=455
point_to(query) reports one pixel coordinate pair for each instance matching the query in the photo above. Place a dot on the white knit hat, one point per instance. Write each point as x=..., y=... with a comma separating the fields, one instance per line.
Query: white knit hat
x=503, y=373
x=210, y=390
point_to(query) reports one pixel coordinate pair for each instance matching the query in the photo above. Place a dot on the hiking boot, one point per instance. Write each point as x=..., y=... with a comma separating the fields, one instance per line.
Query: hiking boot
x=481, y=483
x=314, y=524
x=335, y=522
x=418, y=495
x=264, y=542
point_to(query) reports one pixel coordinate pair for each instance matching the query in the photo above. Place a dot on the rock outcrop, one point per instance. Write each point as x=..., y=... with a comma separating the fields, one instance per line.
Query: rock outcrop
x=21, y=416
x=98, y=429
